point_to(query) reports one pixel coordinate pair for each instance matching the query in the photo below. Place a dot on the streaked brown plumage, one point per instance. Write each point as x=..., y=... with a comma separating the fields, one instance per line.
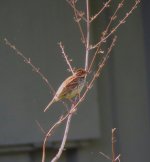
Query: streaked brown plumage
x=70, y=88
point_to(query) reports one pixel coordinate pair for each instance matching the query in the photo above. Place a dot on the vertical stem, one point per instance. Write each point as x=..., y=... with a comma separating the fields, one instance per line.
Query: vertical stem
x=88, y=35
x=64, y=140
x=113, y=144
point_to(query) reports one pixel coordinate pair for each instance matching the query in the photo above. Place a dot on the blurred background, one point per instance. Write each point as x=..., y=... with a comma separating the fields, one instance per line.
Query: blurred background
x=119, y=99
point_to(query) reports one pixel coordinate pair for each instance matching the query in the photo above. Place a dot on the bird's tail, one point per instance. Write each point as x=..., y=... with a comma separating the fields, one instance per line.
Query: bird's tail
x=50, y=103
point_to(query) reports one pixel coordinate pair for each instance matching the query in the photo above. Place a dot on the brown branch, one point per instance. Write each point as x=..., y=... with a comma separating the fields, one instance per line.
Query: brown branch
x=51, y=130
x=78, y=19
x=29, y=62
x=122, y=21
x=113, y=145
x=64, y=139
x=79, y=13
x=66, y=57
x=114, y=158
x=113, y=17
x=106, y=5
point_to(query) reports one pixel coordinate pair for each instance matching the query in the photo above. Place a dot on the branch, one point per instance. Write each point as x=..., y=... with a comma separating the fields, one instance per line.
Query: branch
x=114, y=158
x=78, y=19
x=113, y=17
x=106, y=5
x=59, y=122
x=118, y=25
x=79, y=13
x=112, y=144
x=88, y=35
x=64, y=140
x=29, y=62
x=104, y=36
x=66, y=57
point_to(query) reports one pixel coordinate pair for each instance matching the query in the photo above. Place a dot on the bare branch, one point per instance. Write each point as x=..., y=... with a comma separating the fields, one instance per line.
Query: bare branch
x=64, y=139
x=106, y=5
x=105, y=36
x=113, y=145
x=88, y=35
x=122, y=21
x=29, y=62
x=51, y=130
x=66, y=57
x=78, y=19
x=106, y=156
x=79, y=13
x=113, y=17
x=118, y=158
x=37, y=122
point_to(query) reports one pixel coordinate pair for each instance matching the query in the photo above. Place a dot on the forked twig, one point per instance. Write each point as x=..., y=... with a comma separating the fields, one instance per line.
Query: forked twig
x=79, y=13
x=113, y=17
x=122, y=21
x=57, y=156
x=114, y=158
x=78, y=19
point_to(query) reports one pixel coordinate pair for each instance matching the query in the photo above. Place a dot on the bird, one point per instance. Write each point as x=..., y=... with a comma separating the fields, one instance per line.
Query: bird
x=70, y=87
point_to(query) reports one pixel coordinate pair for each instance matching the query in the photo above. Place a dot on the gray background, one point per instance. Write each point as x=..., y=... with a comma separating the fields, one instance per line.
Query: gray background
x=120, y=98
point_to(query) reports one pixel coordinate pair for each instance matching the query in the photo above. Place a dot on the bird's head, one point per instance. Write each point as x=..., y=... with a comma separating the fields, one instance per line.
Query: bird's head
x=80, y=72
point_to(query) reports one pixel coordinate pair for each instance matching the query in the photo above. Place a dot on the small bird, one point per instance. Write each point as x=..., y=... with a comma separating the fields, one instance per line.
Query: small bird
x=70, y=87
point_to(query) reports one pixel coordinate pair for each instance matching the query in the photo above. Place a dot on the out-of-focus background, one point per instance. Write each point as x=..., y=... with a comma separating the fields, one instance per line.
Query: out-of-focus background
x=120, y=97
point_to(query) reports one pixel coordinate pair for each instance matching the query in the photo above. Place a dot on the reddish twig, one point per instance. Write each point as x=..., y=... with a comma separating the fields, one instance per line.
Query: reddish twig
x=29, y=62
x=79, y=13
x=78, y=19
x=122, y=21
x=66, y=57
x=113, y=17
x=106, y=5
x=113, y=145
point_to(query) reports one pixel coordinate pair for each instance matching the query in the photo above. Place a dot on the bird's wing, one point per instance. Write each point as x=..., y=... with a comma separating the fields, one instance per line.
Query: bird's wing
x=67, y=86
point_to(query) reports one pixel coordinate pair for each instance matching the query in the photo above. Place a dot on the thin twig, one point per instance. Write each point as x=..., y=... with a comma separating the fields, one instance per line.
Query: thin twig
x=29, y=62
x=122, y=21
x=37, y=122
x=106, y=5
x=113, y=144
x=79, y=13
x=77, y=19
x=118, y=158
x=106, y=156
x=88, y=35
x=66, y=57
x=64, y=139
x=113, y=17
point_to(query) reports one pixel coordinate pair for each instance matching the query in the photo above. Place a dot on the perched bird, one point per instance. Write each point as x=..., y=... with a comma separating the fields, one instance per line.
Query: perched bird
x=70, y=88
